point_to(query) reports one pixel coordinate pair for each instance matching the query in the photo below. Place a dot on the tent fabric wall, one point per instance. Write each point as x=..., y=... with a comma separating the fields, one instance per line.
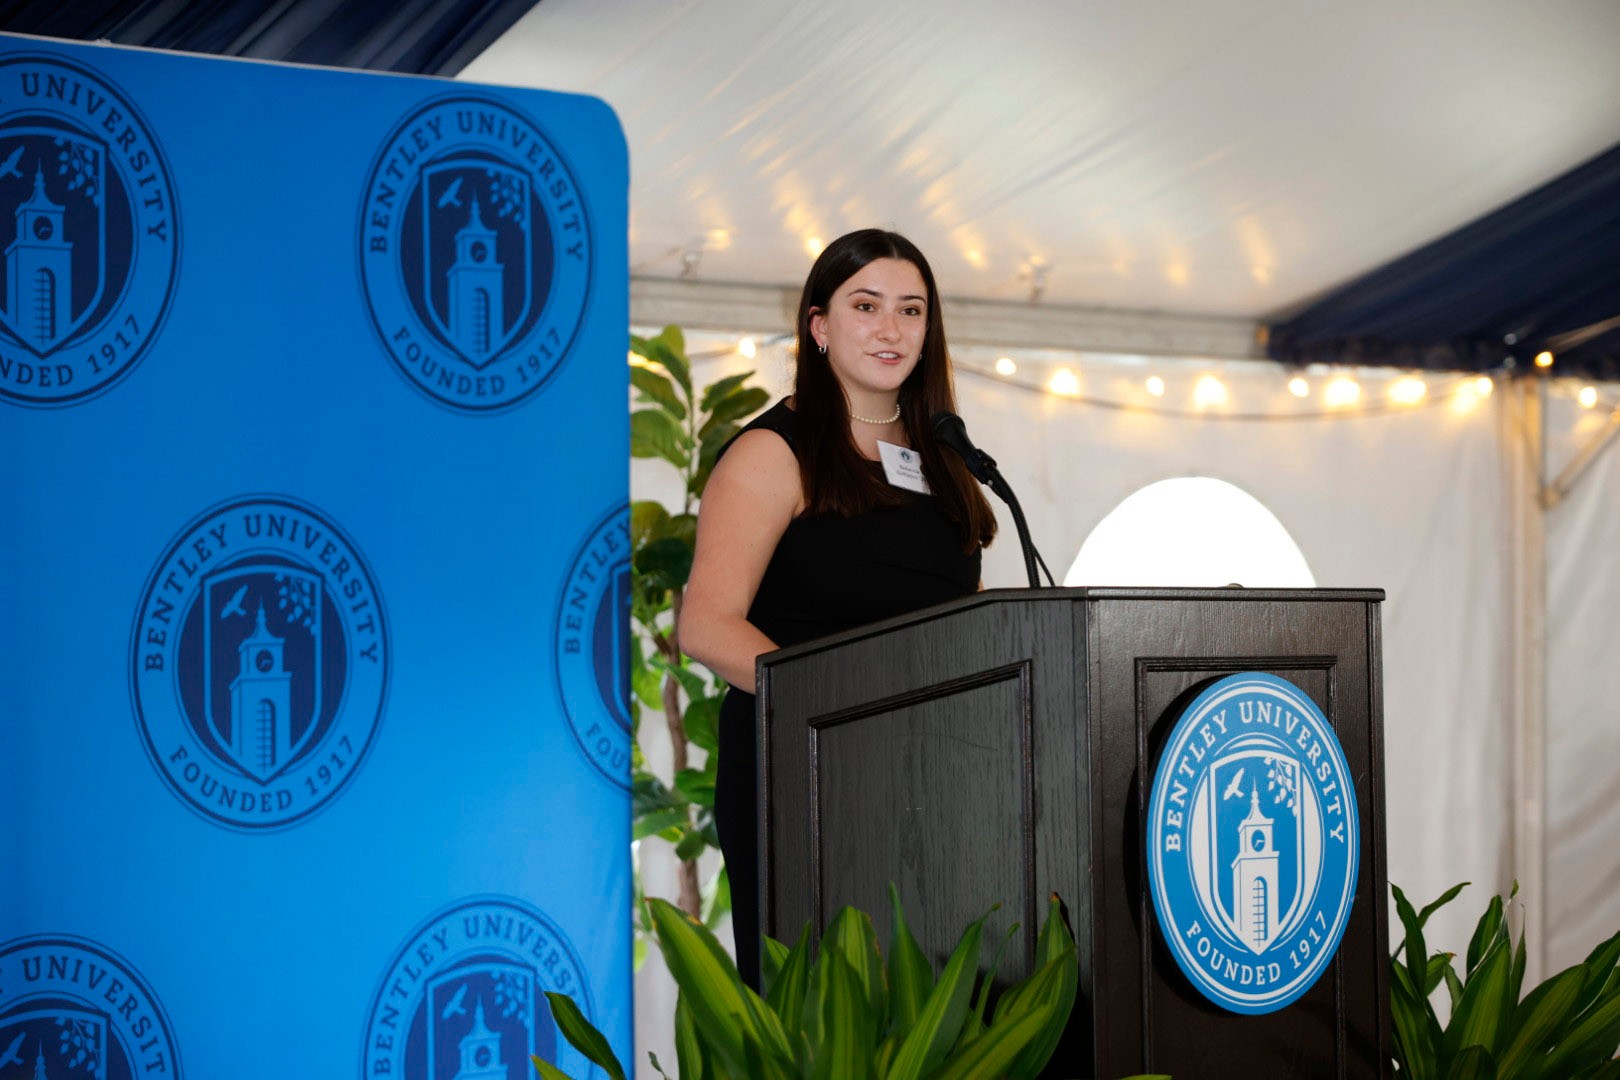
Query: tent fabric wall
x=1583, y=794
x=1415, y=502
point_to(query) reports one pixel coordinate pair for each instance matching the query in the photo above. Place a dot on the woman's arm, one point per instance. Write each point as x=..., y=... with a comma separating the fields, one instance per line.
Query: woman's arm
x=750, y=498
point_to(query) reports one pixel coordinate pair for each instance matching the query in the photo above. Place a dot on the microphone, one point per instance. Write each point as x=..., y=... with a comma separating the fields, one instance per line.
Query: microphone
x=949, y=430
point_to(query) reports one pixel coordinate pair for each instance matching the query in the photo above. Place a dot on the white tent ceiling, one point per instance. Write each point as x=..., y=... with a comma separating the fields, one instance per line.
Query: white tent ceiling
x=1228, y=158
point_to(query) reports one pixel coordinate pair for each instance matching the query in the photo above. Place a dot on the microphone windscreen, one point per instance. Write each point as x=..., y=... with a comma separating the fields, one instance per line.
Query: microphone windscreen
x=949, y=429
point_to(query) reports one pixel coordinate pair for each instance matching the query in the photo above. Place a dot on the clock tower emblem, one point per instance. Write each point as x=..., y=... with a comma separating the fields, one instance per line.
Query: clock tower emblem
x=481, y=1051
x=261, y=701
x=39, y=270
x=477, y=308
x=1254, y=878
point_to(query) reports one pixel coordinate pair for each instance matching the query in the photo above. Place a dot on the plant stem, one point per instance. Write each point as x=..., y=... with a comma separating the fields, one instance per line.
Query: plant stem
x=691, y=898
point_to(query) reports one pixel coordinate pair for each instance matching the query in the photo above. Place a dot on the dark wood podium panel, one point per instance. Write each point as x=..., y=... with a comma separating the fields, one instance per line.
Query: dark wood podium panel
x=913, y=760
x=951, y=783
x=1002, y=748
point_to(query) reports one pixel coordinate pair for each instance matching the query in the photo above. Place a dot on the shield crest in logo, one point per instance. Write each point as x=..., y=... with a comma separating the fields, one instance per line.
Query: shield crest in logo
x=58, y=1042
x=1254, y=870
x=485, y=1019
x=476, y=254
x=53, y=215
x=610, y=641
x=262, y=647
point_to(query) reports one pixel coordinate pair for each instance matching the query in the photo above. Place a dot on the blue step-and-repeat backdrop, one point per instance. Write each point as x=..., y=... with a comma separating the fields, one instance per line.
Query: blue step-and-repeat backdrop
x=313, y=571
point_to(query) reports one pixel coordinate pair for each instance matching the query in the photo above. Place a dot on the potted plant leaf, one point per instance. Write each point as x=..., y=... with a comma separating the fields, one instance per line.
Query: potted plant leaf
x=1566, y=1028
x=845, y=1011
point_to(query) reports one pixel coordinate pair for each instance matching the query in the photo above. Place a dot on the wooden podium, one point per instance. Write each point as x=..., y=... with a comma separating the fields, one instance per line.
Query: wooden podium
x=1002, y=747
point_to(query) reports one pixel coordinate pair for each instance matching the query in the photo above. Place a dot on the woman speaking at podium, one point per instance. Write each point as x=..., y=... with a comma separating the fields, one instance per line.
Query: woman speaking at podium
x=834, y=508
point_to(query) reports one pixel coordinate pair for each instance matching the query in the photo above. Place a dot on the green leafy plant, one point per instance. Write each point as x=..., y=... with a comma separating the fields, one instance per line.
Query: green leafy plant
x=1567, y=1028
x=849, y=1013
x=686, y=428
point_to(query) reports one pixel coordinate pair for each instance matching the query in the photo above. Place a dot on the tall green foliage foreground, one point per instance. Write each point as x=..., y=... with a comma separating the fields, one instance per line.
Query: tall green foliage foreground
x=684, y=427
x=1567, y=1028
x=849, y=1014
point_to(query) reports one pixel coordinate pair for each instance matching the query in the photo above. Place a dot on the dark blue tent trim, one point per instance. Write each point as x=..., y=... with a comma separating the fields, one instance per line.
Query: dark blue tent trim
x=1542, y=272
x=419, y=37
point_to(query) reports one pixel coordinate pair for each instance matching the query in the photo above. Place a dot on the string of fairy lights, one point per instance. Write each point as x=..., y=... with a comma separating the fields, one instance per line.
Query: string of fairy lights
x=1194, y=389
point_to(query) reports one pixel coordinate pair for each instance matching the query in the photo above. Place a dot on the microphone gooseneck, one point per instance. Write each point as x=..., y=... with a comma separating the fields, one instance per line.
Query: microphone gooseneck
x=949, y=429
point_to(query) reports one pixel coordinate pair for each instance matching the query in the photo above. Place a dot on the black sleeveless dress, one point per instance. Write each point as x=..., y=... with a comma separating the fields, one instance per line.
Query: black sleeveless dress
x=828, y=574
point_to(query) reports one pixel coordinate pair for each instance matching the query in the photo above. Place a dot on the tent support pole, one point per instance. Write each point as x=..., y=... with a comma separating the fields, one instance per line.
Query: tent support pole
x=1525, y=441
x=1589, y=452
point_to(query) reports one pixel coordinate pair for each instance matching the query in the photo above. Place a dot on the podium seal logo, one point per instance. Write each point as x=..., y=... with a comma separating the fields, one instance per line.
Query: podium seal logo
x=593, y=647
x=475, y=253
x=72, y=1008
x=1252, y=843
x=464, y=997
x=259, y=662
x=89, y=230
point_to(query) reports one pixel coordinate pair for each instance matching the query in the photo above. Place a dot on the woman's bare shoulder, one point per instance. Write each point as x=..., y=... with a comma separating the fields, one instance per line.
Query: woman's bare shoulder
x=759, y=450
x=760, y=465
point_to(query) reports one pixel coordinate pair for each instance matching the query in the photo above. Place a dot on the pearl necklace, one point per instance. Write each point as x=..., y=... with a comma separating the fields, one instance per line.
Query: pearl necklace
x=890, y=420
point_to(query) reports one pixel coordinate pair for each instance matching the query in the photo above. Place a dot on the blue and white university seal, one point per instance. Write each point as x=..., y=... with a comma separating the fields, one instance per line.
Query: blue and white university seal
x=259, y=662
x=464, y=997
x=1252, y=842
x=72, y=1008
x=89, y=229
x=592, y=643
x=475, y=253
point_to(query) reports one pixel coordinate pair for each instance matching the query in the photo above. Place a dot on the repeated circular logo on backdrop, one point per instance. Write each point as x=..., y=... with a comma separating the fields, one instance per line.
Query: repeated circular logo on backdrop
x=475, y=253
x=464, y=996
x=592, y=643
x=90, y=231
x=259, y=662
x=1252, y=842
x=72, y=1008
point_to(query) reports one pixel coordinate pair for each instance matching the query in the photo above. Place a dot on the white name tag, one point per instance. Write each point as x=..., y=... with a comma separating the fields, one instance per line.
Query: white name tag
x=903, y=467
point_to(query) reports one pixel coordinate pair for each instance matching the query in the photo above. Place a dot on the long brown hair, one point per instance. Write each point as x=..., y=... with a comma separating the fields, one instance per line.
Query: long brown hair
x=836, y=478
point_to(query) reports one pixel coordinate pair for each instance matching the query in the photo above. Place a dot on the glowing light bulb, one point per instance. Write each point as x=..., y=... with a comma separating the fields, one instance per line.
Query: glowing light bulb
x=1209, y=392
x=1155, y=386
x=747, y=347
x=1005, y=366
x=1544, y=359
x=1408, y=390
x=1065, y=382
x=1341, y=392
x=1299, y=387
x=813, y=246
x=1587, y=397
x=1484, y=385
